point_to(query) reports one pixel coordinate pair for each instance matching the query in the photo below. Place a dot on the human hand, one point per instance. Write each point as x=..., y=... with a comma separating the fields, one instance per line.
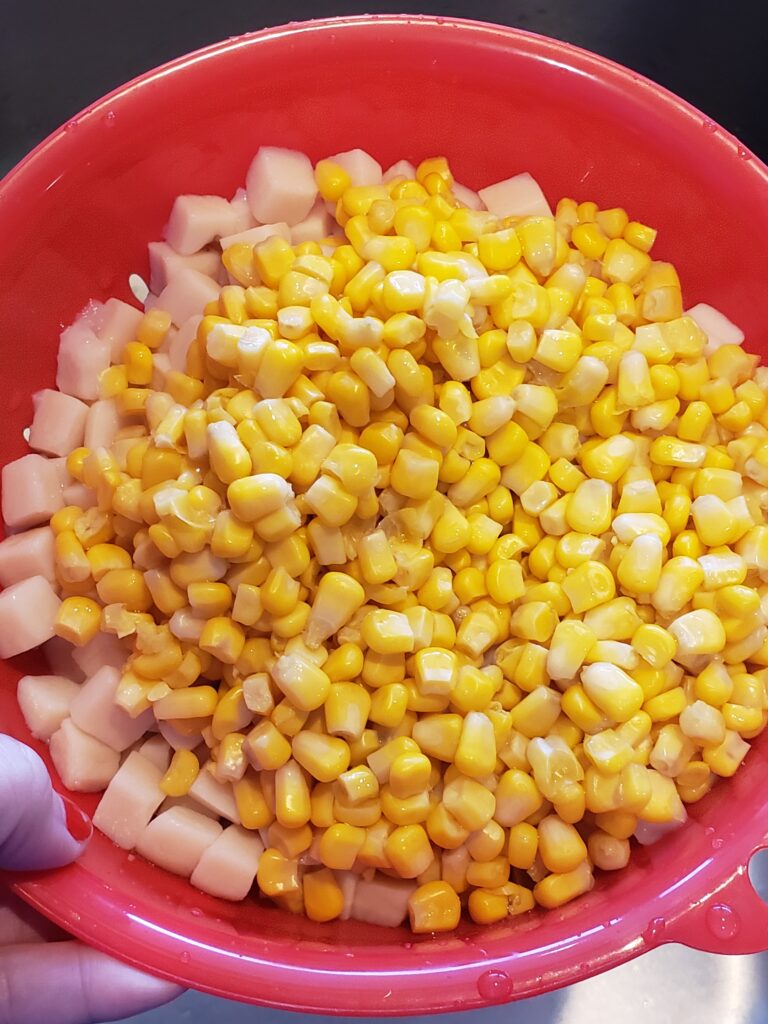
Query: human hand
x=45, y=976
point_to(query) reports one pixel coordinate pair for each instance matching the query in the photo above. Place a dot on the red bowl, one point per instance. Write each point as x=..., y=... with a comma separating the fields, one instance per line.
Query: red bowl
x=75, y=218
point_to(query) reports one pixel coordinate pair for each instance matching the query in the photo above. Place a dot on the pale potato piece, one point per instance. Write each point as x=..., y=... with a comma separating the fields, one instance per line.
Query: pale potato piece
x=518, y=196
x=58, y=657
x=259, y=233
x=118, y=324
x=382, y=901
x=468, y=197
x=104, y=649
x=27, y=554
x=82, y=359
x=348, y=881
x=84, y=763
x=45, y=702
x=95, y=712
x=360, y=166
x=187, y=292
x=31, y=491
x=58, y=422
x=131, y=798
x=227, y=869
x=401, y=169
x=281, y=185
x=28, y=610
x=102, y=424
x=216, y=796
x=164, y=261
x=156, y=750
x=176, y=840
x=716, y=325
x=197, y=220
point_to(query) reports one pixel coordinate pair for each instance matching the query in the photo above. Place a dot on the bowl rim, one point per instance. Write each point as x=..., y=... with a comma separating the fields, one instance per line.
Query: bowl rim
x=302, y=985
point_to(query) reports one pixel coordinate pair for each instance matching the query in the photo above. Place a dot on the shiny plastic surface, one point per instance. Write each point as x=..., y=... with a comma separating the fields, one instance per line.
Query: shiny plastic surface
x=75, y=218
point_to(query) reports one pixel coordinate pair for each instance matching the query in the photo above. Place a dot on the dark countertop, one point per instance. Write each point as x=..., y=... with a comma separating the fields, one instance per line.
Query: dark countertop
x=55, y=57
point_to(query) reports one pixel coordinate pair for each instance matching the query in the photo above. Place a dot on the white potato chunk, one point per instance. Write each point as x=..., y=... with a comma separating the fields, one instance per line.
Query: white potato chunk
x=281, y=185
x=94, y=711
x=382, y=901
x=519, y=196
x=177, y=839
x=45, y=702
x=84, y=763
x=131, y=798
x=227, y=869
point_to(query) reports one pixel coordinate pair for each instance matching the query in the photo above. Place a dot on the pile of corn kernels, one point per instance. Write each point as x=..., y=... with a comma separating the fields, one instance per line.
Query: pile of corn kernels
x=448, y=550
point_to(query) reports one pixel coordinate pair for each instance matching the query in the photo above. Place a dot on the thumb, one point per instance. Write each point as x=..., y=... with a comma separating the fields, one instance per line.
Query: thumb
x=69, y=983
x=38, y=828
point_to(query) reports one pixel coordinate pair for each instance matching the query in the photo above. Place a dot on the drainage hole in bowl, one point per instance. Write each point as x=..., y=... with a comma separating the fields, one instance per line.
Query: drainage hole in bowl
x=758, y=874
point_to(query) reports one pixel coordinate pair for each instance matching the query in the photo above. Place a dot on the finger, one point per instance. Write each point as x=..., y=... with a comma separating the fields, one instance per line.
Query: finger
x=73, y=984
x=20, y=923
x=38, y=829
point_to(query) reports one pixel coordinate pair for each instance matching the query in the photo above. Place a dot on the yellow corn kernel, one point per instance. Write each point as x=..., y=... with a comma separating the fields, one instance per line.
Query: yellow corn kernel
x=414, y=475
x=181, y=773
x=125, y=586
x=654, y=644
x=613, y=691
x=409, y=850
x=588, y=585
x=557, y=889
x=332, y=180
x=324, y=757
x=681, y=577
x=187, y=702
x=570, y=644
x=624, y=262
x=667, y=705
x=277, y=875
x=517, y=798
x=292, y=803
x=561, y=848
x=72, y=563
x=78, y=620
x=323, y=897
x=725, y=758
x=434, y=907
x=523, y=846
x=337, y=598
x=387, y=632
x=303, y=683
x=388, y=705
x=266, y=748
x=698, y=632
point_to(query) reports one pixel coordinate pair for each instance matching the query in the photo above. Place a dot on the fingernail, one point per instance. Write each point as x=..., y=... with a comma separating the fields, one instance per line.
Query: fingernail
x=78, y=823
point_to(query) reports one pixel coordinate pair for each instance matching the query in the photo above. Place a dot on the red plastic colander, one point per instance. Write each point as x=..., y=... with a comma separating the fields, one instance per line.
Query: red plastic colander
x=75, y=218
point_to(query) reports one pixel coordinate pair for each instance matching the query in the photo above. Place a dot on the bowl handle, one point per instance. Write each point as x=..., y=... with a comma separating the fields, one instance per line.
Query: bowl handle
x=733, y=919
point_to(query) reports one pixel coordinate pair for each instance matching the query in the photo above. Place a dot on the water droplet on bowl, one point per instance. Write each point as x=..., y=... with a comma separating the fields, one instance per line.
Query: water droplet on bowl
x=717, y=843
x=196, y=912
x=654, y=933
x=109, y=118
x=185, y=957
x=495, y=986
x=743, y=153
x=723, y=921
x=71, y=124
x=709, y=125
